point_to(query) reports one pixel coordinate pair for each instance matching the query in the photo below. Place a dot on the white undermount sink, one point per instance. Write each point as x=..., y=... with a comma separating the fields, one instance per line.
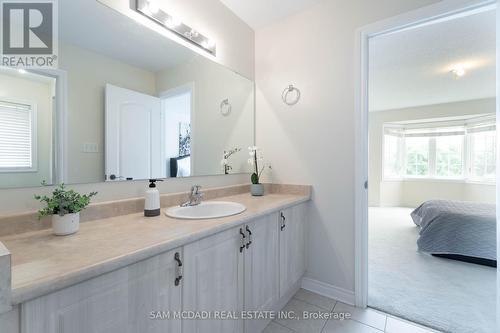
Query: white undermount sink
x=206, y=210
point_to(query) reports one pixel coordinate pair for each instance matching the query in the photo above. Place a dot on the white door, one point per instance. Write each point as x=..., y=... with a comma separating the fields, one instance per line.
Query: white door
x=292, y=247
x=213, y=281
x=133, y=135
x=261, y=270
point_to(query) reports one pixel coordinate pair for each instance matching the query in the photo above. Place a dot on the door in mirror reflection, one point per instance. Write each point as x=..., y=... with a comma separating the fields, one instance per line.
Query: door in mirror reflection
x=133, y=135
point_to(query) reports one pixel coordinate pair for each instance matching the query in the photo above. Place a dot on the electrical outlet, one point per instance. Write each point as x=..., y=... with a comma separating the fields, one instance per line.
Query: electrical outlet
x=90, y=148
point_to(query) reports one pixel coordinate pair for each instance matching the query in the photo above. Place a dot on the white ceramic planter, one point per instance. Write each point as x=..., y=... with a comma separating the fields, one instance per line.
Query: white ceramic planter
x=65, y=225
x=257, y=190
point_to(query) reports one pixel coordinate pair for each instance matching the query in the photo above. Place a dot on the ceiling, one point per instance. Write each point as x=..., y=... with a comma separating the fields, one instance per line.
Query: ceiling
x=412, y=67
x=259, y=13
x=86, y=24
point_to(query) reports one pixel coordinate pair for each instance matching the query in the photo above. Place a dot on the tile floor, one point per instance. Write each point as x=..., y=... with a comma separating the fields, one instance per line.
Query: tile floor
x=362, y=320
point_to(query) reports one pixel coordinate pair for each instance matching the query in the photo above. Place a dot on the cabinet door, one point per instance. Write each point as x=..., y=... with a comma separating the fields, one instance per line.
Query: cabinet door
x=213, y=281
x=292, y=247
x=261, y=270
x=120, y=301
x=153, y=295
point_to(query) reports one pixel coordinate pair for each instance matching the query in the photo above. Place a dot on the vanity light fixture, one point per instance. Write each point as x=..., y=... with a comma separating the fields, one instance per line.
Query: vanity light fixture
x=152, y=10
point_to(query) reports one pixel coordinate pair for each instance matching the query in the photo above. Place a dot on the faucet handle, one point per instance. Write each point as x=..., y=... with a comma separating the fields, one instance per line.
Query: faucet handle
x=195, y=189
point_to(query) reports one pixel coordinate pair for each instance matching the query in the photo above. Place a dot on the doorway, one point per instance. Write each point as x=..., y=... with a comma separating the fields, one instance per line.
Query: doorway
x=177, y=112
x=427, y=16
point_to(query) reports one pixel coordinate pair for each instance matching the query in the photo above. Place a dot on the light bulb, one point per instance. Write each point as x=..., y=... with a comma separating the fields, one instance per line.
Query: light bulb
x=172, y=23
x=458, y=72
x=208, y=44
x=153, y=6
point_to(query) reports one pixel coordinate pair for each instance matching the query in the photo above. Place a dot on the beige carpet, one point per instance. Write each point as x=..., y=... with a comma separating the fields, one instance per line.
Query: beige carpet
x=447, y=295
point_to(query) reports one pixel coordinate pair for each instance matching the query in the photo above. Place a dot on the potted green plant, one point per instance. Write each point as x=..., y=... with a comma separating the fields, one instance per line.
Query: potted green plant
x=257, y=189
x=64, y=206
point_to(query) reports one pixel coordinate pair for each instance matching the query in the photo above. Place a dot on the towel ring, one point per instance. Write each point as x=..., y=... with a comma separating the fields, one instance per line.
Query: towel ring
x=285, y=95
x=225, y=107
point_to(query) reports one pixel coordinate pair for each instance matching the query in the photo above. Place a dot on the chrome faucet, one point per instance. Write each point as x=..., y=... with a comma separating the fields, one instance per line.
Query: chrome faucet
x=194, y=197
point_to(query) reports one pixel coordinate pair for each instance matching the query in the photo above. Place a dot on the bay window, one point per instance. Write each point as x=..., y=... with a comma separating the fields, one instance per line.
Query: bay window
x=392, y=154
x=483, y=153
x=431, y=150
x=417, y=151
x=450, y=156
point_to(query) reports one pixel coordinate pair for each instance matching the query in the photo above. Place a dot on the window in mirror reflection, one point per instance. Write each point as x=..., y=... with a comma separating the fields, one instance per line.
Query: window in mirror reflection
x=27, y=102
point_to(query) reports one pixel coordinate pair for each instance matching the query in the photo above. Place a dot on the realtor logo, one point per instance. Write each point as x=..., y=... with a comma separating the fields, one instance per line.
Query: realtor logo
x=29, y=33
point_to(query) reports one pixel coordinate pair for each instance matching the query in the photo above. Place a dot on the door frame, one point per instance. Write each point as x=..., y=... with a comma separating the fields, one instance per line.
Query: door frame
x=182, y=89
x=60, y=126
x=420, y=17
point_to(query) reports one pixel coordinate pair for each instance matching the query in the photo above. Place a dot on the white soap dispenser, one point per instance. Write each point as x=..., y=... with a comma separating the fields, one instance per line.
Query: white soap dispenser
x=152, y=203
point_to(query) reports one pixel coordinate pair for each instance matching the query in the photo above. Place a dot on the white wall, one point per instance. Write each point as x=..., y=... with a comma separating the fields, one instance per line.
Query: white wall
x=235, y=43
x=416, y=192
x=313, y=142
x=32, y=90
x=413, y=193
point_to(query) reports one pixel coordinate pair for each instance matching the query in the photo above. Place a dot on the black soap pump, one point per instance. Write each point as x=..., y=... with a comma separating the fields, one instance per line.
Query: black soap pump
x=152, y=202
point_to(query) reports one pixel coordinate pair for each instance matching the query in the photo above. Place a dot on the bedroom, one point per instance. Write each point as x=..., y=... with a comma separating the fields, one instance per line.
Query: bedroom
x=432, y=161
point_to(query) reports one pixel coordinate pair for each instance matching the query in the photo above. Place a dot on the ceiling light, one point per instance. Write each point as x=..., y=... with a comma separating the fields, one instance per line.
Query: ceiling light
x=458, y=72
x=22, y=71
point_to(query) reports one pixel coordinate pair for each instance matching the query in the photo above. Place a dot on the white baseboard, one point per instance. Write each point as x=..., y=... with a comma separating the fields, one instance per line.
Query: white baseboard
x=328, y=290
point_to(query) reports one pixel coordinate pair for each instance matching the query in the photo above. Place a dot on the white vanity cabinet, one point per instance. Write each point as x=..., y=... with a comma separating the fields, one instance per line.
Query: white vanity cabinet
x=292, y=248
x=116, y=302
x=256, y=266
x=252, y=267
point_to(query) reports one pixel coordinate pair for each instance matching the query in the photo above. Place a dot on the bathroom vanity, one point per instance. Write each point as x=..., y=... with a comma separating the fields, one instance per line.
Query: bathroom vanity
x=130, y=273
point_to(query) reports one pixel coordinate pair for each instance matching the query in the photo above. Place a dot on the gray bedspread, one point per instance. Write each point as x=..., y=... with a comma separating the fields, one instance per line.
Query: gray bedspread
x=455, y=227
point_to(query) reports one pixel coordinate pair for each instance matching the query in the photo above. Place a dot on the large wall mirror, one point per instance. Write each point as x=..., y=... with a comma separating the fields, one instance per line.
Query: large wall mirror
x=125, y=104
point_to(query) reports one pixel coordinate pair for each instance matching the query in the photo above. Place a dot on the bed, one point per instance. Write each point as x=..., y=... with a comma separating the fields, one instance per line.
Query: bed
x=457, y=230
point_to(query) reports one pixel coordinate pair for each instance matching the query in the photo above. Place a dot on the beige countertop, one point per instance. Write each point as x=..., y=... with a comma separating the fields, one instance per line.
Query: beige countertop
x=43, y=263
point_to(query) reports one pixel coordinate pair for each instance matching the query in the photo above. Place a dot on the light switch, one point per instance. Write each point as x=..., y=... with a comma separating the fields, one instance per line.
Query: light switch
x=90, y=148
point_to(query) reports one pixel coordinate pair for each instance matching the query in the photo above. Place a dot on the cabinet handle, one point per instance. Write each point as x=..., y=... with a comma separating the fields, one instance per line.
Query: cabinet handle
x=178, y=278
x=249, y=237
x=243, y=245
x=283, y=221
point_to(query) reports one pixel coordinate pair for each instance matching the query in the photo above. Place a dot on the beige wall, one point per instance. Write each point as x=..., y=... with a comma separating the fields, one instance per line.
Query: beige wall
x=235, y=44
x=214, y=132
x=29, y=90
x=313, y=142
x=88, y=73
x=413, y=193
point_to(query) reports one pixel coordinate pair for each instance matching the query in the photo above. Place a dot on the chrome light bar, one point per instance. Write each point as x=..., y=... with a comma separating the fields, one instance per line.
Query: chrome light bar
x=151, y=9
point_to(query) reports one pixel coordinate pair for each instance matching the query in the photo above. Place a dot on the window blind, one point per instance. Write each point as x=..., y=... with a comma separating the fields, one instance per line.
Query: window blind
x=482, y=128
x=424, y=132
x=432, y=132
x=16, y=128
